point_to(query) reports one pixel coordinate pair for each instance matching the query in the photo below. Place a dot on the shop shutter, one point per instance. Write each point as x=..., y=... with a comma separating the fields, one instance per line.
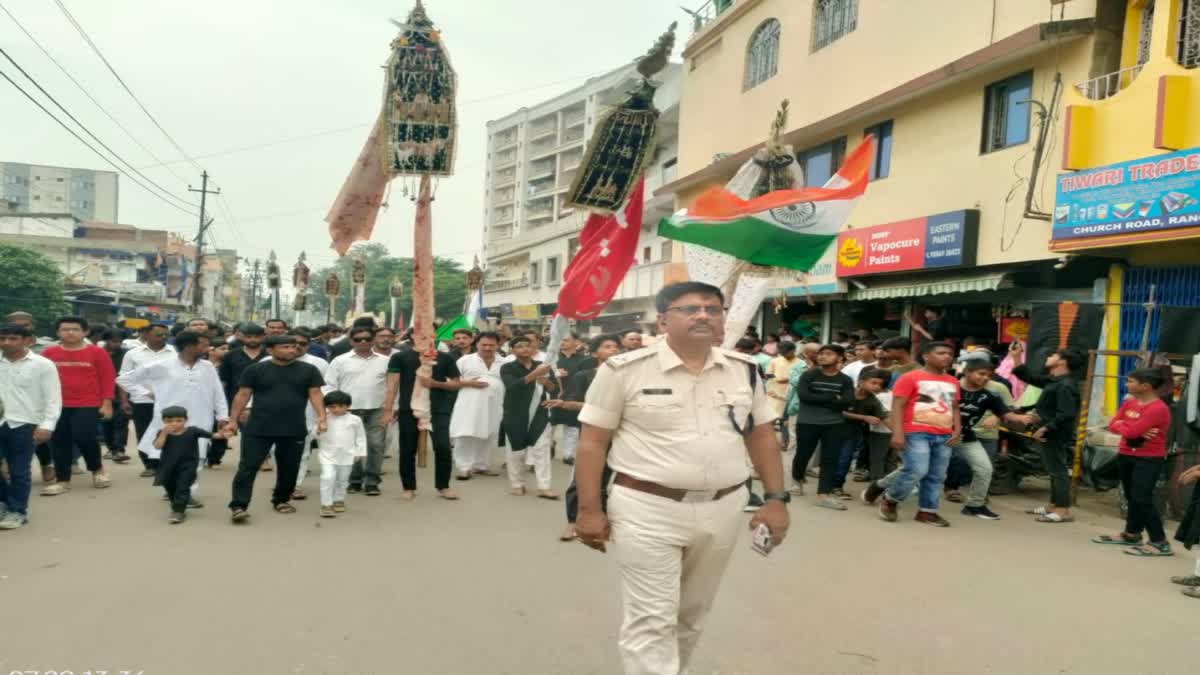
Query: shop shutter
x=1174, y=286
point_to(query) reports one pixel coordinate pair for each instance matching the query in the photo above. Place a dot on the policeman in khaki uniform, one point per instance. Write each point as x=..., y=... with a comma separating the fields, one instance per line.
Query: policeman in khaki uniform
x=681, y=416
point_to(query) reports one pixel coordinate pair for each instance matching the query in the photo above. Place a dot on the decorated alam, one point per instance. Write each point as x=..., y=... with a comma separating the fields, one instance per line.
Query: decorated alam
x=737, y=300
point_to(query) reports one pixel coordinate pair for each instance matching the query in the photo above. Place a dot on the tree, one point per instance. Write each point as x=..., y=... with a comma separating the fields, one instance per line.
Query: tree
x=449, y=284
x=32, y=283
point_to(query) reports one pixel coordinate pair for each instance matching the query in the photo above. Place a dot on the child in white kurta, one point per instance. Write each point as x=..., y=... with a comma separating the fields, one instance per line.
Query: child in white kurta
x=343, y=443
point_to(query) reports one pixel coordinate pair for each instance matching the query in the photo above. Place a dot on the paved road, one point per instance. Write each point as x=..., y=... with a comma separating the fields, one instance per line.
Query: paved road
x=99, y=582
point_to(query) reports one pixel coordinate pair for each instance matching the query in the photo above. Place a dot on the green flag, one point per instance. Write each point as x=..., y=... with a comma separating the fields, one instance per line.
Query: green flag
x=447, y=330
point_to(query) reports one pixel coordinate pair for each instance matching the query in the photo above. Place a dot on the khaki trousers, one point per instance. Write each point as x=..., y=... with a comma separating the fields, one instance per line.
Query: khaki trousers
x=671, y=556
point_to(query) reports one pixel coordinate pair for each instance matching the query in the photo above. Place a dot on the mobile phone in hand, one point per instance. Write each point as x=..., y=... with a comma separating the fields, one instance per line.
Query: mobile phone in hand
x=761, y=541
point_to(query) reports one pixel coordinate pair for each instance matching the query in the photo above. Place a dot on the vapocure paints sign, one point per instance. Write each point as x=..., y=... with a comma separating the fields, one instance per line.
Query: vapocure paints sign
x=1154, y=193
x=930, y=242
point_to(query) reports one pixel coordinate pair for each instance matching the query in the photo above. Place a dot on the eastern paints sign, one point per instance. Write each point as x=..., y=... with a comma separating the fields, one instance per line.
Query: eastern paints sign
x=1154, y=193
x=930, y=242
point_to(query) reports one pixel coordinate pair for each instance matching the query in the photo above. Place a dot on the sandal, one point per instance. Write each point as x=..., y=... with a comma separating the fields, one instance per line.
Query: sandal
x=1054, y=518
x=284, y=507
x=1190, y=580
x=1119, y=539
x=1037, y=511
x=1191, y=592
x=239, y=515
x=1151, y=550
x=954, y=496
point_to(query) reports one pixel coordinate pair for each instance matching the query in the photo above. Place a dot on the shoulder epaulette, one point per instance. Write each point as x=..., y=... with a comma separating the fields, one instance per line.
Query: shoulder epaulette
x=621, y=360
x=745, y=358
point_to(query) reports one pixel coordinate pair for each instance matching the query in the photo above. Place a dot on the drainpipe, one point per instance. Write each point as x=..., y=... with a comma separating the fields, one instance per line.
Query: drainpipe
x=1046, y=117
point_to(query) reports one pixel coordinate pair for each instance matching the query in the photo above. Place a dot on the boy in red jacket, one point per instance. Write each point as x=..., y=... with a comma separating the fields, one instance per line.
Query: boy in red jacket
x=1142, y=423
x=88, y=381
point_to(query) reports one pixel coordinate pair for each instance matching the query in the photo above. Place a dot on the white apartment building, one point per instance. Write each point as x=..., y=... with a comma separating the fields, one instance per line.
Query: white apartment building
x=84, y=193
x=530, y=234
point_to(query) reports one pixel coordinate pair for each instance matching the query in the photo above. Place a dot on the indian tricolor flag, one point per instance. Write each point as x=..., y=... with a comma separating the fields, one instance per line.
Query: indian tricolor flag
x=785, y=228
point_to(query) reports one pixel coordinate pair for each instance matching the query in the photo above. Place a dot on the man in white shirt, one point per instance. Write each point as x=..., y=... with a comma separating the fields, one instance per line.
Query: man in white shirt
x=303, y=340
x=186, y=379
x=137, y=402
x=864, y=354
x=30, y=404
x=362, y=373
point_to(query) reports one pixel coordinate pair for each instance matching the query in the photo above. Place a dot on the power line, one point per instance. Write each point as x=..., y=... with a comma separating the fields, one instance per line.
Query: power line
x=88, y=94
x=83, y=33
x=89, y=145
x=82, y=126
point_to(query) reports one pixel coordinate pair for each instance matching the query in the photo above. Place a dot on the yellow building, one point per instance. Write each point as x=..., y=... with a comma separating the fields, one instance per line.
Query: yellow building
x=966, y=99
x=1130, y=183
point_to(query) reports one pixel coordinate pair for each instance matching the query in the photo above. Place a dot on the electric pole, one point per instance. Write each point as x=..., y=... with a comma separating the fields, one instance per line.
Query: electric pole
x=197, y=291
x=254, y=278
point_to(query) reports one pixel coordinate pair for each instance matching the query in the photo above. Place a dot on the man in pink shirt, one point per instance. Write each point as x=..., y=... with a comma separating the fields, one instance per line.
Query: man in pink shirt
x=88, y=382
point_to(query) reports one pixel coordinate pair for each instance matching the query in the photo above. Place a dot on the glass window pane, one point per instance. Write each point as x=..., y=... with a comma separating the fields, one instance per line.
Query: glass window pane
x=818, y=166
x=1017, y=110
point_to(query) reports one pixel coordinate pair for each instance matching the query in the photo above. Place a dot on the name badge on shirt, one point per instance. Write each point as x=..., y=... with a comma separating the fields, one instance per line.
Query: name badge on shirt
x=657, y=392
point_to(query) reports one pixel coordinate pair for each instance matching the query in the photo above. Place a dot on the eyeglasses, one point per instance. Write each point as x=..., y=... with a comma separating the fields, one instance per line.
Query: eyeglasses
x=361, y=339
x=694, y=310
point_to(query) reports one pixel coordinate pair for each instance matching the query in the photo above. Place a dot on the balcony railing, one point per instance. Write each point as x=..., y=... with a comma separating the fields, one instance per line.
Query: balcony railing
x=707, y=13
x=505, y=284
x=541, y=130
x=1100, y=88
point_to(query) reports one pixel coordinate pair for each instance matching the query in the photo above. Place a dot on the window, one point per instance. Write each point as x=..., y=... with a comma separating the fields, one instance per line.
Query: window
x=883, y=149
x=535, y=274
x=831, y=20
x=821, y=162
x=552, y=271
x=645, y=255
x=762, y=58
x=666, y=251
x=572, y=248
x=1006, y=112
x=59, y=180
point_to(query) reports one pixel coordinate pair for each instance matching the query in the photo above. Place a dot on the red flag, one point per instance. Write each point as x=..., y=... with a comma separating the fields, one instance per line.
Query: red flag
x=608, y=245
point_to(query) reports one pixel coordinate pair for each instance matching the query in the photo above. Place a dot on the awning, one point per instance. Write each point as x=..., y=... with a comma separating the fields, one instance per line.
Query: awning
x=937, y=286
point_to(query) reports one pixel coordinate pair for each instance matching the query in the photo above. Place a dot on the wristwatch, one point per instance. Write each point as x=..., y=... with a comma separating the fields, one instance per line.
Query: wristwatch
x=785, y=497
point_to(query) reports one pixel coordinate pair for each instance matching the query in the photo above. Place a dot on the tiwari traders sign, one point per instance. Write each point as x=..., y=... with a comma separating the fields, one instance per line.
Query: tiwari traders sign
x=930, y=242
x=1154, y=193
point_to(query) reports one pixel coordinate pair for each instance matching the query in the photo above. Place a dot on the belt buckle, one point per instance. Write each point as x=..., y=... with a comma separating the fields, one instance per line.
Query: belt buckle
x=697, y=496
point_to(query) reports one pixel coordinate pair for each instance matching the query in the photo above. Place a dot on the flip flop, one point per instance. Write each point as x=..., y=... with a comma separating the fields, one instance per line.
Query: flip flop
x=1155, y=551
x=1037, y=511
x=1190, y=580
x=1118, y=540
x=831, y=503
x=1191, y=592
x=1054, y=518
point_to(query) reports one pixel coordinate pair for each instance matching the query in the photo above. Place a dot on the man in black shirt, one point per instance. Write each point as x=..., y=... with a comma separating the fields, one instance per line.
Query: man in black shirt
x=824, y=393
x=282, y=387
x=526, y=422
x=570, y=360
x=1053, y=421
x=443, y=385
x=116, y=428
x=250, y=337
x=460, y=343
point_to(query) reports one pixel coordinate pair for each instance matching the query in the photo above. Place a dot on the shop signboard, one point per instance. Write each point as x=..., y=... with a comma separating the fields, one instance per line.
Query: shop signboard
x=820, y=280
x=1143, y=195
x=939, y=241
x=525, y=312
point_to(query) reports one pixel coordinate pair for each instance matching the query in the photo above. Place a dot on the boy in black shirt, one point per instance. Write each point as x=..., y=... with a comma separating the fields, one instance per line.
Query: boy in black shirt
x=864, y=411
x=180, y=459
x=976, y=401
x=824, y=392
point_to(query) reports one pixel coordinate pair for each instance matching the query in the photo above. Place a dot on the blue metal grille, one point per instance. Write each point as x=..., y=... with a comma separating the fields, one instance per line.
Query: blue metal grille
x=1175, y=286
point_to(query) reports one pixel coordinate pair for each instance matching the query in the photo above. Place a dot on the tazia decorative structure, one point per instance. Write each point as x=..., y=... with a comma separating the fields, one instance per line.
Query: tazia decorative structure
x=623, y=141
x=419, y=101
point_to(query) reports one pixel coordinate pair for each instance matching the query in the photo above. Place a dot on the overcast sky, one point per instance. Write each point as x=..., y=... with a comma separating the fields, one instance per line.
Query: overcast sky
x=223, y=75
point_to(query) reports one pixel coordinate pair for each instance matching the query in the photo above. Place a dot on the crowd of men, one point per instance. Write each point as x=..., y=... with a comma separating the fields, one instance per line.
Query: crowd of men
x=71, y=399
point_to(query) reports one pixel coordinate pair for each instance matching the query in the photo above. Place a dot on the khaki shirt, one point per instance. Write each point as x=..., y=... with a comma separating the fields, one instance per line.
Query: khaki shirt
x=672, y=427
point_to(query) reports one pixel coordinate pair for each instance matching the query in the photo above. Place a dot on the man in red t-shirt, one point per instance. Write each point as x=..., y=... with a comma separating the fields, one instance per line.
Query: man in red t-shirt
x=88, y=382
x=925, y=423
x=1142, y=423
